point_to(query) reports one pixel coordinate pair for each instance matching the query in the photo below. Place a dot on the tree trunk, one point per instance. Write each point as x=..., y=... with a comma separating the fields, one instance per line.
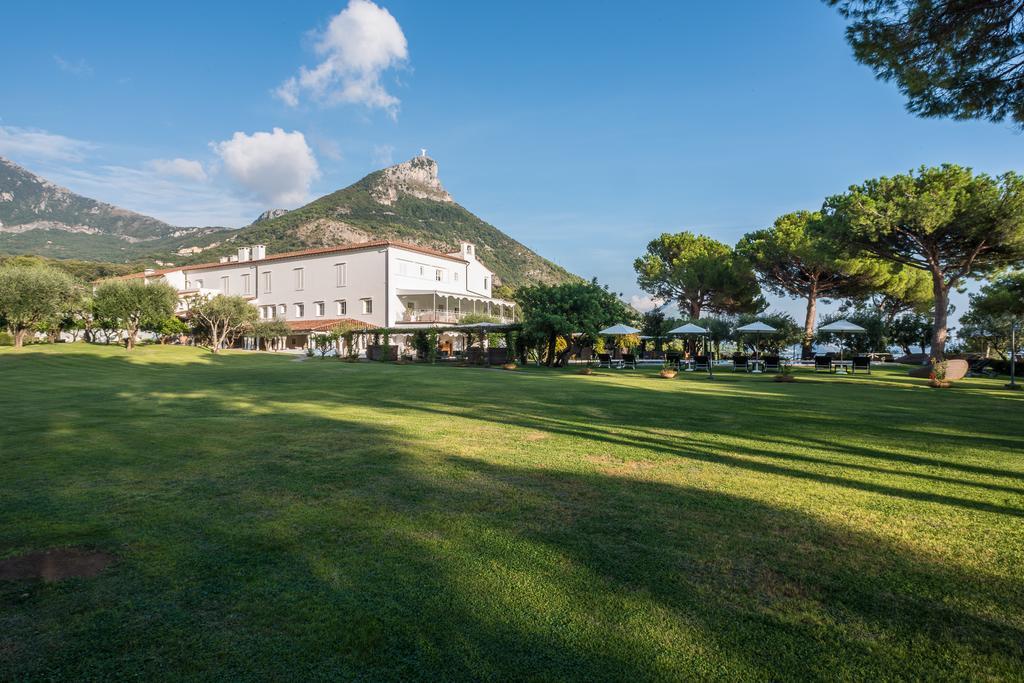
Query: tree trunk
x=19, y=337
x=552, y=342
x=691, y=343
x=812, y=308
x=940, y=328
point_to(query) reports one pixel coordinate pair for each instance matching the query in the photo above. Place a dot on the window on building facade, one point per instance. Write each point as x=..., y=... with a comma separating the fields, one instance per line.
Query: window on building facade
x=198, y=284
x=300, y=310
x=246, y=284
x=266, y=283
x=421, y=271
x=367, y=306
x=318, y=309
x=224, y=284
x=299, y=279
x=456, y=276
x=438, y=274
x=340, y=274
x=282, y=310
x=342, y=307
x=485, y=283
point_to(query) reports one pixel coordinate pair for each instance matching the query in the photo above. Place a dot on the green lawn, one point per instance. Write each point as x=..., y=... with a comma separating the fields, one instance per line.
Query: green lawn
x=292, y=520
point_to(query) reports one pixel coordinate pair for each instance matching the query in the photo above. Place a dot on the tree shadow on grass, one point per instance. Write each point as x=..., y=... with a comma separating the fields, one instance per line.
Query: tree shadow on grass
x=310, y=541
x=764, y=459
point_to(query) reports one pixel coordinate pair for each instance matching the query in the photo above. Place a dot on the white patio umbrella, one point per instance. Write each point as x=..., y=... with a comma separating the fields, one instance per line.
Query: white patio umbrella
x=619, y=330
x=690, y=329
x=756, y=328
x=842, y=328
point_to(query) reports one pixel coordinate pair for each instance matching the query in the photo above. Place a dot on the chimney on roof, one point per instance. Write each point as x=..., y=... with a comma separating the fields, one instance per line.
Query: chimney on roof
x=259, y=251
x=244, y=253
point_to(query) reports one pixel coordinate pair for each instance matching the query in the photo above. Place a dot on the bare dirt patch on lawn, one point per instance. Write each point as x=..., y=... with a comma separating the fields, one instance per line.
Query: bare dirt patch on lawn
x=55, y=564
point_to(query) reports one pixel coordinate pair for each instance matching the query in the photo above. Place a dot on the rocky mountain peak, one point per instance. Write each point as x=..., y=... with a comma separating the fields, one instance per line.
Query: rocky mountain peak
x=416, y=178
x=269, y=215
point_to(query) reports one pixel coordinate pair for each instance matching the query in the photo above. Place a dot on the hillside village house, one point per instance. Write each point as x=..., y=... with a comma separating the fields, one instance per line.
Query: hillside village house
x=378, y=284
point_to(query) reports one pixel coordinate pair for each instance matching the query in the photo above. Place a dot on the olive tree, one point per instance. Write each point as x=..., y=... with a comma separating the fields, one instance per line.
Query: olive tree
x=219, y=318
x=129, y=305
x=33, y=295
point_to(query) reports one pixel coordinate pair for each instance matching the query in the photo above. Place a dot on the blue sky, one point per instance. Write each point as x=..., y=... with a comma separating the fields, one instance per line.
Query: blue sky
x=583, y=129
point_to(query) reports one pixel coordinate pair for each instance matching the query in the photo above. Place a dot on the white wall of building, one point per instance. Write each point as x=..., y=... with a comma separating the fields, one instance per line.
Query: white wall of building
x=361, y=284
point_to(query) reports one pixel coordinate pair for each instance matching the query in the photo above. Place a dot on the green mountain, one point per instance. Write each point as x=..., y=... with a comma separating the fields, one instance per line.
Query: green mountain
x=405, y=202
x=39, y=217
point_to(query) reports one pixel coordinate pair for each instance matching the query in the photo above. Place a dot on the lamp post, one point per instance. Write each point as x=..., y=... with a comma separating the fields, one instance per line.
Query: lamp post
x=1013, y=357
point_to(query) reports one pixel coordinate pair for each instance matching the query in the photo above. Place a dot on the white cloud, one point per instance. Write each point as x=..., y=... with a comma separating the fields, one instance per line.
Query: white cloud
x=30, y=143
x=644, y=302
x=79, y=68
x=188, y=169
x=276, y=167
x=360, y=43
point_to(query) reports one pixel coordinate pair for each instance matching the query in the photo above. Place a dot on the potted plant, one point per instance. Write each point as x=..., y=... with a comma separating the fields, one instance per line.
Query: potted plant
x=668, y=371
x=785, y=373
x=509, y=366
x=937, y=377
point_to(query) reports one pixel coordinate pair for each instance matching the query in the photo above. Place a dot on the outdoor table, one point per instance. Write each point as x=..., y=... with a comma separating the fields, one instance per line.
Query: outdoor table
x=687, y=364
x=755, y=365
x=841, y=365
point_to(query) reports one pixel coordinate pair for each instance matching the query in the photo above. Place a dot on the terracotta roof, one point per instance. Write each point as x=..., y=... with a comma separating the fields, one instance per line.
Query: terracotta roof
x=293, y=254
x=323, y=325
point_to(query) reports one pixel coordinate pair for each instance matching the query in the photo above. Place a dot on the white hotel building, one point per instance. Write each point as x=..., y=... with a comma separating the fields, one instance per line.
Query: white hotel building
x=379, y=284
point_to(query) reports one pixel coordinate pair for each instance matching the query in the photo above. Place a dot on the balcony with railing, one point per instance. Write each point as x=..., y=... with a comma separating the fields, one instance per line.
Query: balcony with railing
x=443, y=316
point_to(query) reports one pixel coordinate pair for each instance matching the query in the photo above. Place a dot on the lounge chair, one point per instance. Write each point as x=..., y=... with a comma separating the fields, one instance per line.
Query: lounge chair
x=739, y=362
x=628, y=361
x=981, y=367
x=701, y=362
x=604, y=360
x=822, y=363
x=771, y=363
x=861, y=363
